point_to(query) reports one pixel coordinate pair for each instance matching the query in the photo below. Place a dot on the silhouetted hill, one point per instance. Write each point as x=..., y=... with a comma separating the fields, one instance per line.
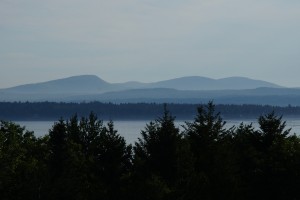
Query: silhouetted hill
x=75, y=84
x=262, y=96
x=94, y=84
x=192, y=89
x=203, y=83
x=238, y=83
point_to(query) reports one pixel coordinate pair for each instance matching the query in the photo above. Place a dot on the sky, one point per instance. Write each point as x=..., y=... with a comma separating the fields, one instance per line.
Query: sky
x=149, y=40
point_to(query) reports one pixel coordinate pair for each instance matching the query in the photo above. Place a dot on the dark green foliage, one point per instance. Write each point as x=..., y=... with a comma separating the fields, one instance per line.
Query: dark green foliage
x=130, y=111
x=86, y=159
x=113, y=162
x=21, y=167
x=264, y=160
x=274, y=172
x=272, y=129
x=210, y=146
x=162, y=160
x=89, y=159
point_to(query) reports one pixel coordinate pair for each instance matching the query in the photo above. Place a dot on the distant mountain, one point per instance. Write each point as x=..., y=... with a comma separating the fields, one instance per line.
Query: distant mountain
x=203, y=83
x=76, y=84
x=93, y=84
x=194, y=89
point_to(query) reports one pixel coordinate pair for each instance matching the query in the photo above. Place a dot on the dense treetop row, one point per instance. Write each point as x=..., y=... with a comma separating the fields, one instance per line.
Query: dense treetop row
x=130, y=111
x=82, y=158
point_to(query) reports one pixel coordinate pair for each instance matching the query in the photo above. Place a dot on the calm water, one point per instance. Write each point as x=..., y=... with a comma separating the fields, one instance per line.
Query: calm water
x=131, y=129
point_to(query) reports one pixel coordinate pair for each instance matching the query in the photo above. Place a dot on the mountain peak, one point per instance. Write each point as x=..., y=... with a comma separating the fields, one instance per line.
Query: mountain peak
x=204, y=83
x=93, y=85
x=78, y=78
x=245, y=83
x=73, y=84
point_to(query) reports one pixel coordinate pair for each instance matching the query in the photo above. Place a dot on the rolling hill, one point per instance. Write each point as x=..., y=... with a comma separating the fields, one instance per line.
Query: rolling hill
x=94, y=84
x=193, y=89
x=75, y=84
x=203, y=83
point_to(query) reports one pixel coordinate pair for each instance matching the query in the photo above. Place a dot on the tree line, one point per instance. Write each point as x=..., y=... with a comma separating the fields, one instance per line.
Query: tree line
x=130, y=111
x=83, y=158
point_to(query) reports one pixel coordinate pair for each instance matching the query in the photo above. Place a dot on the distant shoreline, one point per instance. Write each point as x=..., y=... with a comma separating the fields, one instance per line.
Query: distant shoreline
x=51, y=111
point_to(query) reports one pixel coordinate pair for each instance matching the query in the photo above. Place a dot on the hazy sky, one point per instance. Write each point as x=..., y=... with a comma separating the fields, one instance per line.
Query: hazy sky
x=149, y=40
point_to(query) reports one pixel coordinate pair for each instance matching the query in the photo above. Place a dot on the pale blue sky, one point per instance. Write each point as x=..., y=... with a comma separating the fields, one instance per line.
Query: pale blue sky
x=149, y=40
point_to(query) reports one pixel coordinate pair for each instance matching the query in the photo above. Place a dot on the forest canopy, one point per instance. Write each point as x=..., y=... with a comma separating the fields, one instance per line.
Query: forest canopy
x=83, y=158
x=35, y=111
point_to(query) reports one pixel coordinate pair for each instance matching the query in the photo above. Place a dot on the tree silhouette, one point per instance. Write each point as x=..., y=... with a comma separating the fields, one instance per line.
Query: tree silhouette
x=87, y=159
x=210, y=147
x=19, y=163
x=272, y=129
x=159, y=157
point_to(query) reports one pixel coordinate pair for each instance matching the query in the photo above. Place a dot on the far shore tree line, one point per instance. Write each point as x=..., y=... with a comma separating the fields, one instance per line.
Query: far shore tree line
x=37, y=111
x=83, y=158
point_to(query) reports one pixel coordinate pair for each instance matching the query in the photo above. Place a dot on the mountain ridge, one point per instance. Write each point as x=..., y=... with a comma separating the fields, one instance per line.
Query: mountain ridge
x=71, y=84
x=92, y=82
x=204, y=83
x=191, y=89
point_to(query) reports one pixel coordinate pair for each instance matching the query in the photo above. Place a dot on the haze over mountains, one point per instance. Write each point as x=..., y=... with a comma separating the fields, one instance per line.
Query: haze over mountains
x=193, y=89
x=92, y=84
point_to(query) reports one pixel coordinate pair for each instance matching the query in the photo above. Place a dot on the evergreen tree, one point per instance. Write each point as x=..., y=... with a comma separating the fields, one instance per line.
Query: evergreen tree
x=19, y=163
x=247, y=153
x=272, y=129
x=263, y=158
x=159, y=157
x=210, y=146
x=273, y=166
x=57, y=147
x=113, y=162
x=88, y=160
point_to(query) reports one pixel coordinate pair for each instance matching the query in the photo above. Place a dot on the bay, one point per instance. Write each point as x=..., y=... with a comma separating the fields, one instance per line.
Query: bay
x=130, y=130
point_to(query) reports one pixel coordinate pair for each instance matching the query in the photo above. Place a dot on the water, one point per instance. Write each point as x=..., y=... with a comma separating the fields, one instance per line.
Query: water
x=130, y=130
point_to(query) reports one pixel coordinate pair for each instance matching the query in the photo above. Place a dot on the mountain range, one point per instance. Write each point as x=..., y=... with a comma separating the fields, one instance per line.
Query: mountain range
x=192, y=89
x=94, y=84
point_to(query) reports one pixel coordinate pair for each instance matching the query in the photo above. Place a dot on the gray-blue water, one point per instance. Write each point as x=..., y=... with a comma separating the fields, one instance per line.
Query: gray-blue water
x=130, y=130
